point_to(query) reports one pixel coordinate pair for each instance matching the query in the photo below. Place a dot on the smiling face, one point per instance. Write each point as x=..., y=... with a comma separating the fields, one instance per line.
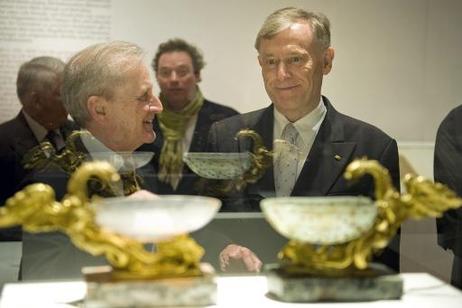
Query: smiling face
x=293, y=66
x=177, y=79
x=127, y=117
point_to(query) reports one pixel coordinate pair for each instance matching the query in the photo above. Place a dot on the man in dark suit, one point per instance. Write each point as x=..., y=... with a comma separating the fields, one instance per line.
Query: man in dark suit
x=447, y=170
x=108, y=92
x=41, y=118
x=185, y=122
x=294, y=53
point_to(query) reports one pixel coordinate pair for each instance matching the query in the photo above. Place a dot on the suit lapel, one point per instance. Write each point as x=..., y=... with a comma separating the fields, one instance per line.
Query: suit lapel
x=264, y=127
x=24, y=138
x=201, y=129
x=327, y=159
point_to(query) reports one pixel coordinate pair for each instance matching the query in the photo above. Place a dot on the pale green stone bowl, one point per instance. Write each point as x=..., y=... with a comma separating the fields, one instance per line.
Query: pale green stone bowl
x=218, y=166
x=320, y=220
x=155, y=219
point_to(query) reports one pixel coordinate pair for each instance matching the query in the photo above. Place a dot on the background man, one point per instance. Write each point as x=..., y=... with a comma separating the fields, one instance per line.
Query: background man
x=185, y=122
x=294, y=53
x=447, y=170
x=41, y=118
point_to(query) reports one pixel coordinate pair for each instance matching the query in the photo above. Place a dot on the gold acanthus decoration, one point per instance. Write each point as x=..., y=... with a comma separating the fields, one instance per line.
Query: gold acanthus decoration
x=36, y=209
x=70, y=158
x=422, y=199
x=260, y=159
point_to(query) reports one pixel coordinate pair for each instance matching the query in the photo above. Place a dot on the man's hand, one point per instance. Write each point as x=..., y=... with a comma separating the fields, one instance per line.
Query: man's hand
x=143, y=195
x=239, y=253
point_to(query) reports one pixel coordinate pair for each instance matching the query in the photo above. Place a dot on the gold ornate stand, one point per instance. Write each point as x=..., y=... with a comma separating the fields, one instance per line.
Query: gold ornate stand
x=343, y=272
x=133, y=268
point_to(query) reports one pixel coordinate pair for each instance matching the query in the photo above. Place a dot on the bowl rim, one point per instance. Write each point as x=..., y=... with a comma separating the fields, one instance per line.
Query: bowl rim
x=317, y=199
x=216, y=155
x=126, y=200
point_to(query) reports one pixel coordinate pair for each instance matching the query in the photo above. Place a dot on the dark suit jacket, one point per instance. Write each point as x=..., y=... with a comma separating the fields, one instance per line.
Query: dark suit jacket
x=322, y=173
x=16, y=139
x=209, y=113
x=447, y=170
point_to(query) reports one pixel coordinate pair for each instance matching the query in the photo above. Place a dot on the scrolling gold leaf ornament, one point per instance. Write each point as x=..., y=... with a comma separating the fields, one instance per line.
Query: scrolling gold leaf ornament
x=36, y=209
x=68, y=159
x=260, y=159
x=422, y=199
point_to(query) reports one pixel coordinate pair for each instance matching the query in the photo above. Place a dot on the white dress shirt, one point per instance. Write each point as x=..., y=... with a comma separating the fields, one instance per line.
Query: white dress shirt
x=307, y=127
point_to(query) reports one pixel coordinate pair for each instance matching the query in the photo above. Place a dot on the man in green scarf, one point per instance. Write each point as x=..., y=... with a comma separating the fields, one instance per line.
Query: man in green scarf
x=184, y=124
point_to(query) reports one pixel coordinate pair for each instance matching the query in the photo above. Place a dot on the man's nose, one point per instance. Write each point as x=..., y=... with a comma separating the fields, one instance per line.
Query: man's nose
x=282, y=71
x=155, y=105
x=173, y=76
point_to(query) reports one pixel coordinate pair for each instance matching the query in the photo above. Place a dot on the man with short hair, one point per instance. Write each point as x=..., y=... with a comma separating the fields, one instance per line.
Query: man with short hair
x=294, y=53
x=185, y=122
x=42, y=115
x=108, y=92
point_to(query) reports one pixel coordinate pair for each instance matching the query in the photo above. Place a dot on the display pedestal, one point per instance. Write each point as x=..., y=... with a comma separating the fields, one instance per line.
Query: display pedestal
x=104, y=289
x=375, y=283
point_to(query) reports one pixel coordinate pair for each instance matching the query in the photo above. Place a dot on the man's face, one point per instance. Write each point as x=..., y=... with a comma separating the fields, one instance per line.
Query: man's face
x=48, y=108
x=129, y=114
x=176, y=78
x=293, y=66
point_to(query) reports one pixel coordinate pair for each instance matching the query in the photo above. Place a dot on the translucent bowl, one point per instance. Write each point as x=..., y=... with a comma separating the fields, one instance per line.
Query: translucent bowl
x=320, y=220
x=158, y=219
x=218, y=166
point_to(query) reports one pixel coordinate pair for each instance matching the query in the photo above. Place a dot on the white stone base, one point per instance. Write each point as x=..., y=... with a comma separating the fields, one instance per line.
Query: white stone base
x=380, y=283
x=185, y=291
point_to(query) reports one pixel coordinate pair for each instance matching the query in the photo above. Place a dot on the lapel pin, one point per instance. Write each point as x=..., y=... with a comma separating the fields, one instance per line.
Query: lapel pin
x=337, y=157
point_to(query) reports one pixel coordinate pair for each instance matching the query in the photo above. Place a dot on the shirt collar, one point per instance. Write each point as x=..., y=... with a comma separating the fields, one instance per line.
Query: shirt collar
x=305, y=126
x=38, y=130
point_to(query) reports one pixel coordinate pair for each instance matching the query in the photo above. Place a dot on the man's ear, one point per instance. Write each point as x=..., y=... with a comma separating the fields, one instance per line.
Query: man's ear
x=34, y=100
x=31, y=104
x=97, y=106
x=329, y=54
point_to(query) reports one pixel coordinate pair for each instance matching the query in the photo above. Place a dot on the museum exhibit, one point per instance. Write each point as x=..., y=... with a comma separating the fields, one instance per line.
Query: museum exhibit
x=230, y=153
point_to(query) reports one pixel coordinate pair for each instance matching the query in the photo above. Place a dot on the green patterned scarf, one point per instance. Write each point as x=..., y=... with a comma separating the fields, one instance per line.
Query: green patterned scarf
x=173, y=126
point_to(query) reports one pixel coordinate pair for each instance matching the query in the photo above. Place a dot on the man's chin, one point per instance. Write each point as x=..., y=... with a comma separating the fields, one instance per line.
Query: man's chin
x=149, y=137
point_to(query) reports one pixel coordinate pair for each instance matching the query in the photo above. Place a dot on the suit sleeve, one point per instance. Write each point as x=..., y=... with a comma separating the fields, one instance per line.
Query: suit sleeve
x=390, y=160
x=447, y=170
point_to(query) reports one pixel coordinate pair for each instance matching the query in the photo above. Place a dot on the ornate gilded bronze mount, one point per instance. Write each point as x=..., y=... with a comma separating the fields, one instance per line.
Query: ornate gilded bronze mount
x=35, y=208
x=223, y=173
x=331, y=236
